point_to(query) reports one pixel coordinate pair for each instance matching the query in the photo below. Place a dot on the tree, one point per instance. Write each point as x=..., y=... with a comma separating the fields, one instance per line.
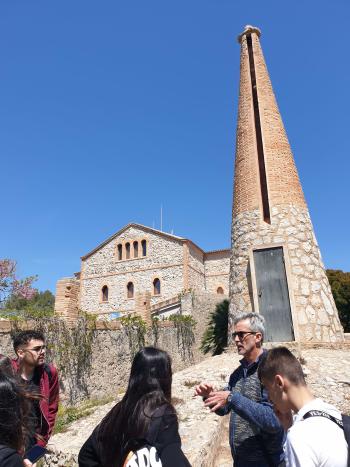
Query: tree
x=10, y=285
x=42, y=302
x=340, y=285
x=215, y=337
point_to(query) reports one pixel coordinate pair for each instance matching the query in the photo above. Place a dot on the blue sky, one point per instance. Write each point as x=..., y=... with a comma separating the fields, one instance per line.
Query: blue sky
x=110, y=109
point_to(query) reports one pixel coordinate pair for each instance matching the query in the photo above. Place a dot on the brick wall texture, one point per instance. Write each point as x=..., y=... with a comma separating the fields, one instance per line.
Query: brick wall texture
x=282, y=178
x=111, y=353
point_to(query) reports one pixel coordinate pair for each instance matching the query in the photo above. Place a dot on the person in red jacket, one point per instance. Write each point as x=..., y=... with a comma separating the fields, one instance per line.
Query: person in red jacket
x=39, y=378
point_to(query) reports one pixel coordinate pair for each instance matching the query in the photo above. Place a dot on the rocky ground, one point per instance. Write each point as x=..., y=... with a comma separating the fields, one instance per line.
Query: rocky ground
x=204, y=435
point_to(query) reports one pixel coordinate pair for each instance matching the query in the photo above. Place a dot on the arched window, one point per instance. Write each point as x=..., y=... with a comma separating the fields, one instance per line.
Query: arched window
x=144, y=247
x=130, y=290
x=120, y=251
x=105, y=293
x=136, y=249
x=127, y=250
x=156, y=287
x=220, y=291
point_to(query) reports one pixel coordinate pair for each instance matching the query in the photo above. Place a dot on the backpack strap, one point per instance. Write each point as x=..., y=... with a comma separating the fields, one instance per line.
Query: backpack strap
x=346, y=426
x=320, y=413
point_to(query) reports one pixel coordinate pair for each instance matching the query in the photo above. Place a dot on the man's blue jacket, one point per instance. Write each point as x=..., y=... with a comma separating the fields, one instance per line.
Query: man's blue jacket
x=256, y=435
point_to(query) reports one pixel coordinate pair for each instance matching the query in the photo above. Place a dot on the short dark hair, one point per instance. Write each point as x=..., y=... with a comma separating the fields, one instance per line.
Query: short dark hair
x=281, y=361
x=23, y=337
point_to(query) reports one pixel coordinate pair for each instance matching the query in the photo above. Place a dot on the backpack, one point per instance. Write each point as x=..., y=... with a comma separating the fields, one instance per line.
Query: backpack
x=344, y=424
x=142, y=452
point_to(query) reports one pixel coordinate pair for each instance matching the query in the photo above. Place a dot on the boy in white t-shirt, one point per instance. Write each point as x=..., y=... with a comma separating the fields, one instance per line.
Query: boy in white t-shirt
x=313, y=441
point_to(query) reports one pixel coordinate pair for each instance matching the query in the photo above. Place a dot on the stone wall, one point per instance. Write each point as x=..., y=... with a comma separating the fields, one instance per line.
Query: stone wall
x=196, y=272
x=111, y=360
x=314, y=314
x=217, y=270
x=101, y=287
x=164, y=260
x=111, y=349
x=6, y=347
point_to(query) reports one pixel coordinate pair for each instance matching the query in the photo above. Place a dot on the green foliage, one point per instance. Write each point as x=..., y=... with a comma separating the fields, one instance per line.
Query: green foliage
x=215, y=337
x=184, y=325
x=155, y=330
x=70, y=348
x=68, y=415
x=340, y=285
x=135, y=329
x=39, y=305
x=186, y=320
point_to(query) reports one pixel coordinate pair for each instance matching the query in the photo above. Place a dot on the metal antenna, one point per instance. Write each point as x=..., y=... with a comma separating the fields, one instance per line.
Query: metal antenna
x=161, y=218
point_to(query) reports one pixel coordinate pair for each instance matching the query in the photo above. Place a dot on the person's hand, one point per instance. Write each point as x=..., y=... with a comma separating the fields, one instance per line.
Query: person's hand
x=27, y=463
x=203, y=389
x=286, y=419
x=216, y=400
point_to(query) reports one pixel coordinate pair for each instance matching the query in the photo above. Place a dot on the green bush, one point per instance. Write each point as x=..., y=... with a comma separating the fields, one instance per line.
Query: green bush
x=214, y=339
x=340, y=285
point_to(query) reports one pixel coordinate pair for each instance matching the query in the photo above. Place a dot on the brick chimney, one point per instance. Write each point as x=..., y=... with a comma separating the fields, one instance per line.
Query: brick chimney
x=276, y=266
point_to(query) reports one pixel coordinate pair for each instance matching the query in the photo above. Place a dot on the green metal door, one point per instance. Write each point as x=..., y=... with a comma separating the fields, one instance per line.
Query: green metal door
x=273, y=296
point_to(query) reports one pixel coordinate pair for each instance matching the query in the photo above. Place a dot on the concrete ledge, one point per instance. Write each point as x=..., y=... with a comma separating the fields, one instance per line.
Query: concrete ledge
x=312, y=344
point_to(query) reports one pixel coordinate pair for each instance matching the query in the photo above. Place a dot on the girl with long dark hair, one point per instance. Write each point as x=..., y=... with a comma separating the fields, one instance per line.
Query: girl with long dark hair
x=144, y=412
x=14, y=420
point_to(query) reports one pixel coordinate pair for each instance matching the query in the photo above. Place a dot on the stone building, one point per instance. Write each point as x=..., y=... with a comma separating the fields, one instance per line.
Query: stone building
x=276, y=266
x=143, y=270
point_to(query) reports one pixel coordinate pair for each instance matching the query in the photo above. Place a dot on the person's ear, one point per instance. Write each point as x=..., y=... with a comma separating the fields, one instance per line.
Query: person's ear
x=279, y=382
x=258, y=337
x=20, y=353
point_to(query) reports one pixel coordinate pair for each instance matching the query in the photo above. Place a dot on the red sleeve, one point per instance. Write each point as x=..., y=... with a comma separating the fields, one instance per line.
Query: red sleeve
x=53, y=400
